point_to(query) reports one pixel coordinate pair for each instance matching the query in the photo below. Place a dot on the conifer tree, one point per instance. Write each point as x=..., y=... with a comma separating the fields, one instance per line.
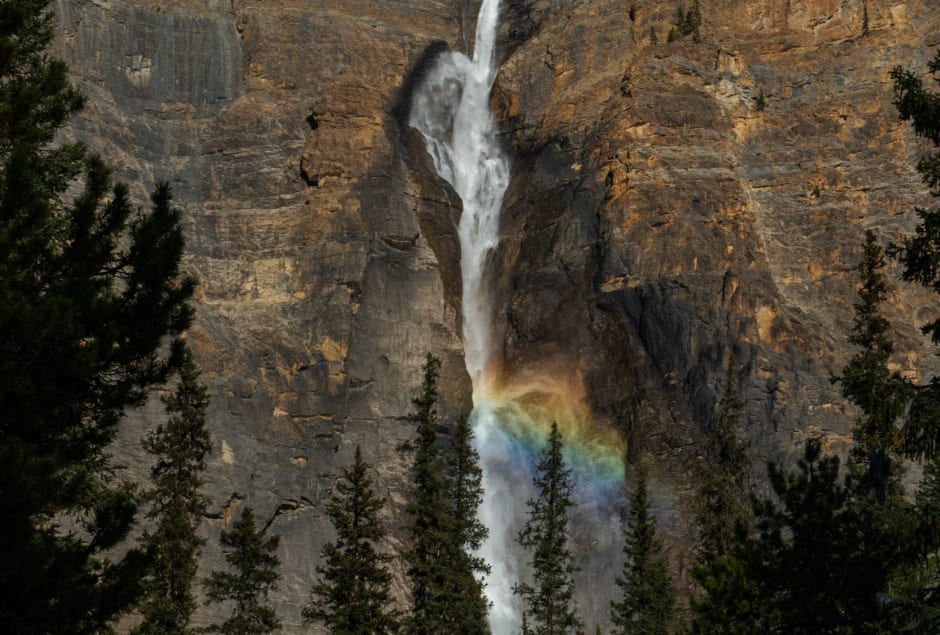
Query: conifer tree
x=548, y=601
x=647, y=604
x=89, y=290
x=352, y=595
x=437, y=585
x=465, y=483
x=917, y=586
x=254, y=563
x=815, y=566
x=879, y=393
x=176, y=505
x=721, y=512
x=686, y=23
x=920, y=253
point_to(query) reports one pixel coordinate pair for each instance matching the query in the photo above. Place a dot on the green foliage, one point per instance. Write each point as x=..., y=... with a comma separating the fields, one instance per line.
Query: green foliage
x=686, y=23
x=89, y=290
x=352, y=596
x=880, y=394
x=731, y=603
x=36, y=98
x=176, y=505
x=721, y=511
x=549, y=599
x=816, y=566
x=254, y=563
x=447, y=598
x=647, y=606
x=865, y=19
x=920, y=253
x=654, y=39
x=761, y=102
x=465, y=483
x=915, y=587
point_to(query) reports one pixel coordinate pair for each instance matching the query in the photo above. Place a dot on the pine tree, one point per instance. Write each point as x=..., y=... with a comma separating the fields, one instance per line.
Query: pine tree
x=815, y=566
x=89, y=291
x=549, y=599
x=721, y=512
x=920, y=253
x=647, y=606
x=465, y=483
x=916, y=588
x=879, y=393
x=918, y=584
x=255, y=575
x=437, y=585
x=686, y=23
x=176, y=505
x=352, y=595
x=733, y=599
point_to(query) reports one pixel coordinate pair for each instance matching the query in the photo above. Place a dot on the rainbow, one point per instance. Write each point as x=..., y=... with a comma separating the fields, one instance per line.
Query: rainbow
x=523, y=410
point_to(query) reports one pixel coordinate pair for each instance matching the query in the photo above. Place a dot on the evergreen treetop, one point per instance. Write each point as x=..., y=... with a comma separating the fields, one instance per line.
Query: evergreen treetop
x=920, y=253
x=254, y=563
x=465, y=484
x=881, y=394
x=447, y=596
x=647, y=604
x=816, y=566
x=549, y=599
x=176, y=505
x=352, y=595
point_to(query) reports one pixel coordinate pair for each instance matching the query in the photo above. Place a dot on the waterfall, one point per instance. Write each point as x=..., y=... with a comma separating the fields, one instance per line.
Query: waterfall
x=510, y=417
x=451, y=109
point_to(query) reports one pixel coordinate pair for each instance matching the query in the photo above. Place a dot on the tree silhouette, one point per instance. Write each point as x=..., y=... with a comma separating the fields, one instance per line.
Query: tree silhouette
x=549, y=604
x=352, y=595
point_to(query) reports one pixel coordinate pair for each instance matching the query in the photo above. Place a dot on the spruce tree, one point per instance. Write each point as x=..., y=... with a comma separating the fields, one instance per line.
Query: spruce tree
x=254, y=563
x=465, y=484
x=548, y=601
x=721, y=511
x=813, y=568
x=920, y=253
x=352, y=595
x=918, y=607
x=880, y=394
x=438, y=585
x=916, y=588
x=89, y=292
x=176, y=506
x=647, y=604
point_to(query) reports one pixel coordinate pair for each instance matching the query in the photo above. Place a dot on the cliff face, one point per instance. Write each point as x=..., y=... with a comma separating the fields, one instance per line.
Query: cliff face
x=657, y=219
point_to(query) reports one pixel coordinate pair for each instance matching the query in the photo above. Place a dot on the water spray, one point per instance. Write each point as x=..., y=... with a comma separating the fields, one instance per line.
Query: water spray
x=510, y=418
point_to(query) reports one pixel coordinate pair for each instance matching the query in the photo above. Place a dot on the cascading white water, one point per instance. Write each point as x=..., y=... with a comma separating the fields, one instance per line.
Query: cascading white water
x=451, y=109
x=511, y=415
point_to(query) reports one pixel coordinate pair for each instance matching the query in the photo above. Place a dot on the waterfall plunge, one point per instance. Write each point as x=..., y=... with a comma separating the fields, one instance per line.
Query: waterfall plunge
x=511, y=419
x=451, y=109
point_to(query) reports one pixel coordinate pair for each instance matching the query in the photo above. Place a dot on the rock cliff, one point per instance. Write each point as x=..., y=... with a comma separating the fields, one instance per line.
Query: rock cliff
x=671, y=203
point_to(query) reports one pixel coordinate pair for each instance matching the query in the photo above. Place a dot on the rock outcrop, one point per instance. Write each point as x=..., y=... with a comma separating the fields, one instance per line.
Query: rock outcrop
x=671, y=203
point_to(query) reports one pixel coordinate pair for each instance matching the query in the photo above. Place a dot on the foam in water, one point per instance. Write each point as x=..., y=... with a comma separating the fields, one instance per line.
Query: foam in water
x=510, y=418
